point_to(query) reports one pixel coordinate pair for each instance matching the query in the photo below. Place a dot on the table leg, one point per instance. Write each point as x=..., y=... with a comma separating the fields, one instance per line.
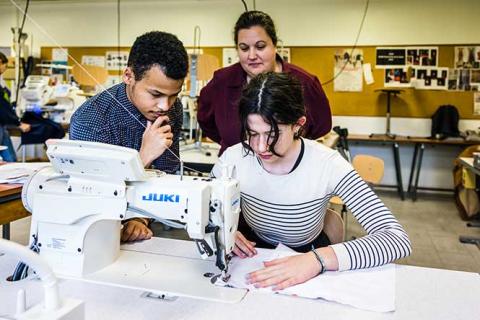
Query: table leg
x=470, y=240
x=396, y=157
x=473, y=224
x=417, y=173
x=413, y=167
x=6, y=231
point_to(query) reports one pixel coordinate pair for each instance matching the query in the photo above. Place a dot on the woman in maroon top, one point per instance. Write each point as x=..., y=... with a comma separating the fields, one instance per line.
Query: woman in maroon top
x=255, y=38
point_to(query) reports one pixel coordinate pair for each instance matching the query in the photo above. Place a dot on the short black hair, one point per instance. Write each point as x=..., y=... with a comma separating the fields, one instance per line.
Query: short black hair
x=277, y=98
x=3, y=58
x=250, y=19
x=162, y=49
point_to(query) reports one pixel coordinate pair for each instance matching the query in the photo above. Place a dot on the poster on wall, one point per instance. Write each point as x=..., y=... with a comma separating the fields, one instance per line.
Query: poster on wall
x=390, y=57
x=464, y=80
x=422, y=56
x=430, y=78
x=7, y=51
x=229, y=57
x=476, y=103
x=284, y=53
x=98, y=61
x=398, y=77
x=475, y=78
x=116, y=60
x=467, y=57
x=348, y=70
x=60, y=54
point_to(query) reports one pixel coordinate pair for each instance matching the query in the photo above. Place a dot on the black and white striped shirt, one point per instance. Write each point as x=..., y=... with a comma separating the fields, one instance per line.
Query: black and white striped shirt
x=290, y=209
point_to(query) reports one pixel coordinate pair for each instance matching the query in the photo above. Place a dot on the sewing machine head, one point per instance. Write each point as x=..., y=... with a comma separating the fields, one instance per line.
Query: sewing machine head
x=77, y=205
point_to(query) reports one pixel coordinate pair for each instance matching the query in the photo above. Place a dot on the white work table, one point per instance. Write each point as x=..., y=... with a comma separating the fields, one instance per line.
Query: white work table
x=421, y=293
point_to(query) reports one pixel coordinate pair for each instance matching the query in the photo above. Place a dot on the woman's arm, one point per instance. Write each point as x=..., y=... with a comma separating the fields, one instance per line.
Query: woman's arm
x=319, y=116
x=386, y=241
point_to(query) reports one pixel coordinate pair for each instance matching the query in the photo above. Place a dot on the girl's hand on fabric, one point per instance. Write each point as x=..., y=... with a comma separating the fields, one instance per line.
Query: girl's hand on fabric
x=285, y=272
x=243, y=247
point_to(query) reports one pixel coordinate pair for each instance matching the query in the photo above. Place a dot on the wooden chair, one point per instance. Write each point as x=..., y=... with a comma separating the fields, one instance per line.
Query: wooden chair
x=370, y=169
x=333, y=226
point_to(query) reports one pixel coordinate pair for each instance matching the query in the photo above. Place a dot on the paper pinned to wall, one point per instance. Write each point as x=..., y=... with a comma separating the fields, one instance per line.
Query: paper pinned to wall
x=116, y=60
x=284, y=53
x=467, y=57
x=367, y=73
x=229, y=57
x=476, y=103
x=60, y=54
x=369, y=289
x=98, y=61
x=348, y=70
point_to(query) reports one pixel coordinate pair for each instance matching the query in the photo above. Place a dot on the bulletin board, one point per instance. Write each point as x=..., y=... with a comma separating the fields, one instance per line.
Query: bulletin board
x=320, y=62
x=410, y=103
x=77, y=53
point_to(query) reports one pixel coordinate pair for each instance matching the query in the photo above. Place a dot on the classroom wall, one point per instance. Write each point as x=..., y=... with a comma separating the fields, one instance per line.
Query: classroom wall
x=300, y=23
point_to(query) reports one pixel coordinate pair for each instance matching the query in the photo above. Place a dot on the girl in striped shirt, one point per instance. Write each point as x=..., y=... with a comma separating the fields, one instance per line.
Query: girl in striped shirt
x=286, y=182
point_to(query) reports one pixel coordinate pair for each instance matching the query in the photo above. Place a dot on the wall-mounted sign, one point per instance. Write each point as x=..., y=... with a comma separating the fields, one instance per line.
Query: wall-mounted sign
x=390, y=57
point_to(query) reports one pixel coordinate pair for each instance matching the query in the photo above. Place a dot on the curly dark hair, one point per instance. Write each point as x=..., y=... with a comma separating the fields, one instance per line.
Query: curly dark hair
x=3, y=58
x=157, y=48
x=277, y=98
x=250, y=19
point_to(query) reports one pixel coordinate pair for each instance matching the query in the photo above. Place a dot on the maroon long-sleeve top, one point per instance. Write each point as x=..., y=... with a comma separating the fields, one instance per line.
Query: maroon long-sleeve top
x=218, y=104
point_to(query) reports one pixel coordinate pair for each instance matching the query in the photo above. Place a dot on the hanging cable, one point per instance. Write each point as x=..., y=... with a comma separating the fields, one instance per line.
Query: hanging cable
x=24, y=16
x=19, y=50
x=244, y=5
x=354, y=46
x=118, y=36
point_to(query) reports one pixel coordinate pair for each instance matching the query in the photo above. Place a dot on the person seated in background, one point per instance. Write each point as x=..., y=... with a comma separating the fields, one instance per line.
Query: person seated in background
x=8, y=117
x=256, y=43
x=143, y=112
x=286, y=182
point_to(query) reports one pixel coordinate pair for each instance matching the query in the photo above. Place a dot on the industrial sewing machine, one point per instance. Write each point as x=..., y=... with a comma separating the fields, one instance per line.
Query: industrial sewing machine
x=59, y=101
x=78, y=204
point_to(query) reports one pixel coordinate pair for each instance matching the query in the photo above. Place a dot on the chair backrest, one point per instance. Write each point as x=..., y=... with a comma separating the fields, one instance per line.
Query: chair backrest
x=370, y=168
x=333, y=226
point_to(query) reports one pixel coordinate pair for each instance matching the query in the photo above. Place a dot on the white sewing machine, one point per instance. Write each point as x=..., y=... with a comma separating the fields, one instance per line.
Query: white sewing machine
x=77, y=205
x=35, y=94
x=59, y=101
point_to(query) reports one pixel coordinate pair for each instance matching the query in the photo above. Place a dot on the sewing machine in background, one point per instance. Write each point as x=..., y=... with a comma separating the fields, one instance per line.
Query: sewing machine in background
x=78, y=203
x=59, y=102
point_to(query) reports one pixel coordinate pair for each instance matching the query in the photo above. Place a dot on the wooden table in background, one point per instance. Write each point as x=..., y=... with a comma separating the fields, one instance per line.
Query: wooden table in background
x=11, y=207
x=419, y=145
